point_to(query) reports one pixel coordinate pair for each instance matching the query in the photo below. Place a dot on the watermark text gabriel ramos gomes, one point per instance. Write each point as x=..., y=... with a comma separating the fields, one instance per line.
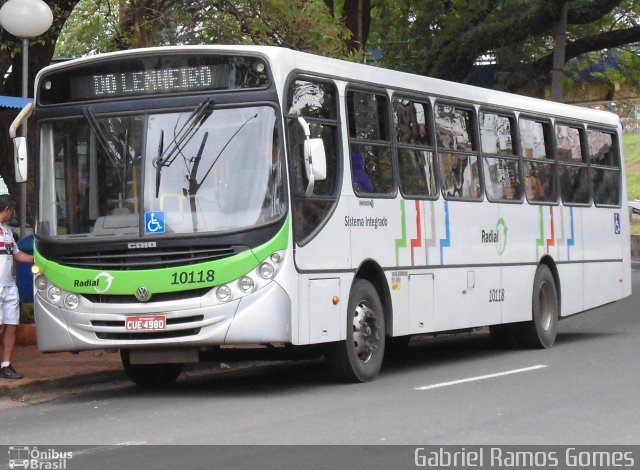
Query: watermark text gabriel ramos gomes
x=502, y=458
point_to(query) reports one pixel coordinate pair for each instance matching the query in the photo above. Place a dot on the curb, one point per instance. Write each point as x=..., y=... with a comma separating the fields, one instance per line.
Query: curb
x=39, y=386
x=16, y=392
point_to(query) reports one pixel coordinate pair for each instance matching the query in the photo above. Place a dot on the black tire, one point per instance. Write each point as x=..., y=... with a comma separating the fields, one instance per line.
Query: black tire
x=359, y=357
x=540, y=332
x=150, y=375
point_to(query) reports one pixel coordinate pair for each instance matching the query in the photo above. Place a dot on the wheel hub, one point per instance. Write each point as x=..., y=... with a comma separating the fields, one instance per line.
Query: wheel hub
x=365, y=332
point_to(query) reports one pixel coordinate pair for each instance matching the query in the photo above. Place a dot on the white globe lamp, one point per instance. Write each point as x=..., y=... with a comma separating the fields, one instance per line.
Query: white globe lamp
x=26, y=18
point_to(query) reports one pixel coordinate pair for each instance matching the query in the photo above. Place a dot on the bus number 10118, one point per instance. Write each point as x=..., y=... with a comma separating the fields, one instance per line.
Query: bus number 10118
x=496, y=295
x=193, y=277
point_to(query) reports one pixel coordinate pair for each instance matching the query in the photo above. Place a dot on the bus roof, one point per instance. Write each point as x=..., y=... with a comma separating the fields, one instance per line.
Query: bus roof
x=283, y=61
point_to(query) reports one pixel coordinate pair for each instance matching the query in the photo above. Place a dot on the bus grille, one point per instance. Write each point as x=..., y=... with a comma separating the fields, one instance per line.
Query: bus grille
x=160, y=297
x=148, y=336
x=127, y=260
x=127, y=335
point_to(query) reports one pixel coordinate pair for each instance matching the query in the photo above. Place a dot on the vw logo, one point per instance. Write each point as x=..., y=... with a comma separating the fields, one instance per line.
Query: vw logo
x=143, y=294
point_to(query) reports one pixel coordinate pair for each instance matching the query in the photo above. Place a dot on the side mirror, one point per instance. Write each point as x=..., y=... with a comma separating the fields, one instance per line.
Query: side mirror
x=20, y=158
x=20, y=143
x=315, y=149
x=315, y=160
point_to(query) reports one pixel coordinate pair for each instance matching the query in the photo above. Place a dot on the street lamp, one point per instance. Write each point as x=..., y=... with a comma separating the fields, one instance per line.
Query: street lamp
x=25, y=19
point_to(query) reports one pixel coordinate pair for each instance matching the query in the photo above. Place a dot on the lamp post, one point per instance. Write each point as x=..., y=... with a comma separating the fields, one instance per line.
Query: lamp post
x=25, y=19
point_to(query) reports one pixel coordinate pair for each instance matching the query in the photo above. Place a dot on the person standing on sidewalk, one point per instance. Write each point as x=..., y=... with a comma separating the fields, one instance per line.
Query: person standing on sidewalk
x=9, y=299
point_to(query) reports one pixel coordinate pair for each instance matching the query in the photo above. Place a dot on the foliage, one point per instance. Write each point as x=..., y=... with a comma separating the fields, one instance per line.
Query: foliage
x=107, y=25
x=446, y=39
x=631, y=142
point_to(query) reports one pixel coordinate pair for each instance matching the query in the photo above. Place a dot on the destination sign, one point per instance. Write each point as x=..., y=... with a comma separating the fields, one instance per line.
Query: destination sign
x=151, y=75
x=147, y=81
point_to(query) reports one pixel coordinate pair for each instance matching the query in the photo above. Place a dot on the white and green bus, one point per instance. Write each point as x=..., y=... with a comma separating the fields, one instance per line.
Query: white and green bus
x=196, y=198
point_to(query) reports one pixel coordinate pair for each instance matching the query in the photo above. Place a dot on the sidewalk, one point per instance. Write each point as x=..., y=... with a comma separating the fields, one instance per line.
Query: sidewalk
x=53, y=371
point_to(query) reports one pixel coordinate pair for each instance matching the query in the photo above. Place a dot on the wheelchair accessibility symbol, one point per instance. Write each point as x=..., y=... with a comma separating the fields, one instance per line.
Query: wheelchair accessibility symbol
x=154, y=222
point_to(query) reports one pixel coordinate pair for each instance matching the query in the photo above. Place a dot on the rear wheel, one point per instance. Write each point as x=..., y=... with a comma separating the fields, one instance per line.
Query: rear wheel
x=150, y=375
x=540, y=332
x=359, y=357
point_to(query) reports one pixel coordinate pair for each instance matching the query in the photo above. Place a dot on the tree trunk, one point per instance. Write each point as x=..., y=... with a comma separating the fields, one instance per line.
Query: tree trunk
x=559, y=46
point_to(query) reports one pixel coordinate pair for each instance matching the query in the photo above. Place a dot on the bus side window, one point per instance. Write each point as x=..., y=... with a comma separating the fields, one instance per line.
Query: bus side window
x=501, y=165
x=572, y=167
x=457, y=153
x=605, y=168
x=370, y=143
x=539, y=166
x=316, y=101
x=415, y=149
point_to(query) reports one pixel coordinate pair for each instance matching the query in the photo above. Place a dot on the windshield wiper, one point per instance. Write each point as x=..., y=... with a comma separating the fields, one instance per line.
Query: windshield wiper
x=115, y=158
x=193, y=186
x=196, y=186
x=188, y=130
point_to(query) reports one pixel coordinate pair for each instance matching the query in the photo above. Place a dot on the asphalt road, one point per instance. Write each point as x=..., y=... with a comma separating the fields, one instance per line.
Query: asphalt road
x=457, y=390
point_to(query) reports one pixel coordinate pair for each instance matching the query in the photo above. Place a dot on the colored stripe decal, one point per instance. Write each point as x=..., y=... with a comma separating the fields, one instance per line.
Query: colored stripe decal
x=432, y=241
x=572, y=240
x=401, y=242
x=540, y=241
x=416, y=242
x=445, y=242
x=551, y=241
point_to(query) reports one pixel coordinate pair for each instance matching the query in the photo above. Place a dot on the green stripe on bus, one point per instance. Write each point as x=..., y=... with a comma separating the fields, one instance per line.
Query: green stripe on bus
x=195, y=276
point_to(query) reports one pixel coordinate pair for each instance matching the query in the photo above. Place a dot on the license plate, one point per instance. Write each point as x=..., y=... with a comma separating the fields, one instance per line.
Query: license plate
x=146, y=323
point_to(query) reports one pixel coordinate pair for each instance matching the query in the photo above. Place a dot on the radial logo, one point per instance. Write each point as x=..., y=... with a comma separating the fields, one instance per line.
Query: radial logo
x=497, y=236
x=501, y=228
x=104, y=280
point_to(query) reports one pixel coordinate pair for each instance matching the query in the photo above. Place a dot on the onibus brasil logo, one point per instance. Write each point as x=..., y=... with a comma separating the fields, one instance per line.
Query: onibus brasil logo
x=32, y=458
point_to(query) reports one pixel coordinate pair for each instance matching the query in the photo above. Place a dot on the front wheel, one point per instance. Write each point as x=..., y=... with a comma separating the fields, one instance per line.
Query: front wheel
x=540, y=332
x=359, y=357
x=150, y=375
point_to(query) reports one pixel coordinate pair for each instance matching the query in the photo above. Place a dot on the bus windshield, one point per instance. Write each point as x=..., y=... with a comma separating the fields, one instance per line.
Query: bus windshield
x=201, y=170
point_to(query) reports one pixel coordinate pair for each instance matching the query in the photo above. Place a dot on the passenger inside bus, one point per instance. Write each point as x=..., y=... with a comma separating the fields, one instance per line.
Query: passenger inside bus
x=361, y=181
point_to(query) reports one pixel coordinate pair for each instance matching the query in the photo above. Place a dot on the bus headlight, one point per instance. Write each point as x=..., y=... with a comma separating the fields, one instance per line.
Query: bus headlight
x=275, y=257
x=41, y=282
x=71, y=301
x=246, y=284
x=53, y=294
x=223, y=293
x=266, y=271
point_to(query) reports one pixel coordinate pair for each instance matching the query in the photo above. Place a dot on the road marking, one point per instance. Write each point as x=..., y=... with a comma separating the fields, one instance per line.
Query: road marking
x=482, y=377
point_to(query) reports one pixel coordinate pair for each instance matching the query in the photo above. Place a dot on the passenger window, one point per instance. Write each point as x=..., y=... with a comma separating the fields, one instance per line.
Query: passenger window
x=501, y=164
x=415, y=152
x=572, y=168
x=370, y=144
x=457, y=153
x=316, y=102
x=605, y=168
x=539, y=166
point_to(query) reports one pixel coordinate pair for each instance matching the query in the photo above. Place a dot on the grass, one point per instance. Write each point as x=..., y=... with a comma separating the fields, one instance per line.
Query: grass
x=631, y=143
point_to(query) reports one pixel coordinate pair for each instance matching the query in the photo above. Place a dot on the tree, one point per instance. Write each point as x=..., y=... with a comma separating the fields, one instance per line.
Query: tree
x=108, y=25
x=356, y=16
x=446, y=38
x=40, y=53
